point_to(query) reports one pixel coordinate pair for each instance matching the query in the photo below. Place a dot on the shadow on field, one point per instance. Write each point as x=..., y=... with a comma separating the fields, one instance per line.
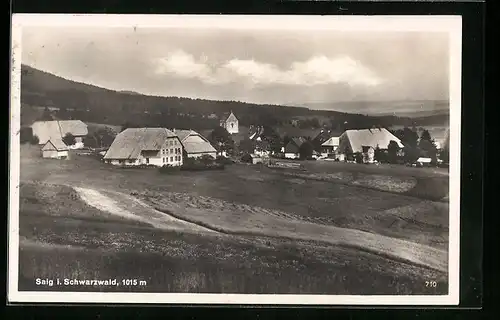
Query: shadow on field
x=163, y=273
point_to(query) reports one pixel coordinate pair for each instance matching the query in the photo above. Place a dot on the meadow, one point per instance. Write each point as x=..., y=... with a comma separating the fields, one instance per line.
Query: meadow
x=246, y=229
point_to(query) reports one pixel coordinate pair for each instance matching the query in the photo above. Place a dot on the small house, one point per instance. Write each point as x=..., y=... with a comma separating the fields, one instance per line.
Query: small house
x=330, y=146
x=292, y=149
x=55, y=149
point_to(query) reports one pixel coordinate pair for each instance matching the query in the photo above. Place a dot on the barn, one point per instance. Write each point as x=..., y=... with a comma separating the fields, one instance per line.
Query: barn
x=54, y=149
x=365, y=141
x=195, y=145
x=145, y=146
x=57, y=129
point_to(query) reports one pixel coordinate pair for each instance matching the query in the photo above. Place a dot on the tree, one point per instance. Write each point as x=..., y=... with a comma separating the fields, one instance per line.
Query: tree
x=26, y=135
x=246, y=146
x=69, y=139
x=105, y=136
x=392, y=151
x=306, y=150
x=358, y=157
x=46, y=115
x=34, y=140
x=380, y=155
x=221, y=139
x=286, y=140
x=444, y=155
x=428, y=149
x=90, y=140
x=407, y=136
x=102, y=138
x=425, y=136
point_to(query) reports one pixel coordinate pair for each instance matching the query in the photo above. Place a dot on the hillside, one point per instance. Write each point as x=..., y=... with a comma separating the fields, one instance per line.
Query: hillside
x=70, y=99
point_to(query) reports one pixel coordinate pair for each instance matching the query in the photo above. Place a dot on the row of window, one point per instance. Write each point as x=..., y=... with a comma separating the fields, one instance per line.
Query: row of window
x=172, y=151
x=172, y=159
x=173, y=142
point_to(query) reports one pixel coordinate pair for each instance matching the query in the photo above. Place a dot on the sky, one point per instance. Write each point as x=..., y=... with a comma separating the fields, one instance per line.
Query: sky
x=258, y=66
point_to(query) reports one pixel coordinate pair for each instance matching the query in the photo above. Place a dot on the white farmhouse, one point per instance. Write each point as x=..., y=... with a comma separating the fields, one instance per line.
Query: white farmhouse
x=145, y=146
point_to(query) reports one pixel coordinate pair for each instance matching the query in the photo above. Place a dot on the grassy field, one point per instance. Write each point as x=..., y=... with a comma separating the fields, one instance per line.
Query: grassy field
x=245, y=229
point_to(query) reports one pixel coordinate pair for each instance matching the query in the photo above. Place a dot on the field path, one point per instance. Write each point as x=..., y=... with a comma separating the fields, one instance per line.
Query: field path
x=274, y=224
x=134, y=209
x=164, y=214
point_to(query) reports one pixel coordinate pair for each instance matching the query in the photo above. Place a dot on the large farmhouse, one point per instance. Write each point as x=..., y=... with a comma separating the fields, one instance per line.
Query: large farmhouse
x=365, y=142
x=145, y=146
x=57, y=129
x=195, y=145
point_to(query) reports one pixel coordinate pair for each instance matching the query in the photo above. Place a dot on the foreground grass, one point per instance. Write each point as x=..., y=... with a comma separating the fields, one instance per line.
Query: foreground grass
x=70, y=246
x=176, y=262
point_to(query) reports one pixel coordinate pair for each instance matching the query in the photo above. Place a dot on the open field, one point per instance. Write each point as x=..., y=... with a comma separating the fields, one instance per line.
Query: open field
x=244, y=229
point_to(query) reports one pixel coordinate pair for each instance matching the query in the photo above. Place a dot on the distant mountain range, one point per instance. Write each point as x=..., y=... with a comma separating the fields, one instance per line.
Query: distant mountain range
x=413, y=109
x=39, y=88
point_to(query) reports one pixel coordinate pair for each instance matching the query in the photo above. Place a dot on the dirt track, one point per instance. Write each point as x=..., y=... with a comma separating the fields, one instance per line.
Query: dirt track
x=175, y=217
x=125, y=206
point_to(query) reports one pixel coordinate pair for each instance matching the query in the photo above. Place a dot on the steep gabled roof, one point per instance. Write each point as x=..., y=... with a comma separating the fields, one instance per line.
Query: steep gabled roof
x=332, y=142
x=357, y=139
x=129, y=143
x=230, y=117
x=55, y=144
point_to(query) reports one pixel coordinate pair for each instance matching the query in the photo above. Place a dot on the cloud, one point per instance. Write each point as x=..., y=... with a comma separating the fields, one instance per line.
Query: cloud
x=318, y=70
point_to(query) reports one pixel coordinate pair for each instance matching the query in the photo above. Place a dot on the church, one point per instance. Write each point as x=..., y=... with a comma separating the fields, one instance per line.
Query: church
x=230, y=123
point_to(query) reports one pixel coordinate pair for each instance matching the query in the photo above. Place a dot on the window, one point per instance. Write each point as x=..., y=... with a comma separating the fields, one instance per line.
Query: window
x=170, y=143
x=163, y=159
x=171, y=159
x=147, y=160
x=232, y=125
x=171, y=151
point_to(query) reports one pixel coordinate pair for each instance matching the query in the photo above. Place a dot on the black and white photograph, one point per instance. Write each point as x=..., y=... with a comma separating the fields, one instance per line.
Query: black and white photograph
x=235, y=159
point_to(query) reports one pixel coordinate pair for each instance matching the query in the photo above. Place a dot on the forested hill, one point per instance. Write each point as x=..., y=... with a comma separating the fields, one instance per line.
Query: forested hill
x=70, y=99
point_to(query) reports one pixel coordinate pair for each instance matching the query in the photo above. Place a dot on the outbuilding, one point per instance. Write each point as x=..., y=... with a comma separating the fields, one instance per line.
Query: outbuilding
x=55, y=149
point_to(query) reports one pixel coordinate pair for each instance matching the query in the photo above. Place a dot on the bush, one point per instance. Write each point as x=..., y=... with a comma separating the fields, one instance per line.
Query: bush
x=247, y=158
x=224, y=160
x=205, y=162
x=34, y=140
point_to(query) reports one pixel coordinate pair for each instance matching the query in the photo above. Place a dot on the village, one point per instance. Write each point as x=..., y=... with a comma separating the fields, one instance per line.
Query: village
x=175, y=147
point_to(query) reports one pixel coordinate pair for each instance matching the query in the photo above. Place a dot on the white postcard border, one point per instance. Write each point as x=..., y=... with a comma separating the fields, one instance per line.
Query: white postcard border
x=450, y=24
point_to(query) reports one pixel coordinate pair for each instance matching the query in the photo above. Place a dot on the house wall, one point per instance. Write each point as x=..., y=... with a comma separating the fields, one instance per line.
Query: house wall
x=197, y=155
x=291, y=155
x=54, y=154
x=170, y=153
x=49, y=153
